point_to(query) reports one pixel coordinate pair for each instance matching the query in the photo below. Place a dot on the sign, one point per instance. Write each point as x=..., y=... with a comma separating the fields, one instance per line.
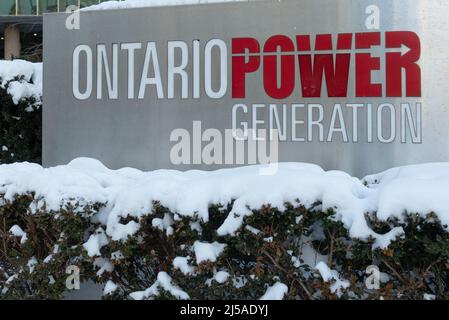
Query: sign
x=356, y=86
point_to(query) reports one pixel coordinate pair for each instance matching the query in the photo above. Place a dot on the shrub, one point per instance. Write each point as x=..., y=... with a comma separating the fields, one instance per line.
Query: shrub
x=20, y=119
x=172, y=256
x=35, y=256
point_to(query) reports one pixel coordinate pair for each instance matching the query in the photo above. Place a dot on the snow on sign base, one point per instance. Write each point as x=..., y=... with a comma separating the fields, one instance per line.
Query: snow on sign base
x=357, y=86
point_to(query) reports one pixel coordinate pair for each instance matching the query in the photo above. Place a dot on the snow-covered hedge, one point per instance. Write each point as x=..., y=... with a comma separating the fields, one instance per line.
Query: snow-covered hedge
x=20, y=111
x=302, y=233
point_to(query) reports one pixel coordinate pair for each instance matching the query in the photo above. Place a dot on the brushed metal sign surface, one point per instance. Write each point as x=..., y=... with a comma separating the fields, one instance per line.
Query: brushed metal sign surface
x=359, y=86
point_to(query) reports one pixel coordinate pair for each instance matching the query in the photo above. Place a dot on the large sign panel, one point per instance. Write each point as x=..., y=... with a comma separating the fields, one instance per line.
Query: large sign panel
x=359, y=86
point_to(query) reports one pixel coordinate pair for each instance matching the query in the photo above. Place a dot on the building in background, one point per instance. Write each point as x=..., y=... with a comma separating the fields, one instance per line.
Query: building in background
x=21, y=25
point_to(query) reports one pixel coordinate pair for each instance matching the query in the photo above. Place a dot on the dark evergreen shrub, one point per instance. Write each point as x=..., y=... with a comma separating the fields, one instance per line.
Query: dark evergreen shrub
x=20, y=128
x=271, y=247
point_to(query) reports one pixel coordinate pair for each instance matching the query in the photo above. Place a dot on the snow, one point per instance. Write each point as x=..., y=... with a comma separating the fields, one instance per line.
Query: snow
x=117, y=255
x=163, y=224
x=11, y=278
x=207, y=251
x=239, y=282
x=31, y=264
x=420, y=189
x=131, y=193
x=30, y=86
x=309, y=256
x=330, y=275
x=103, y=265
x=221, y=276
x=165, y=282
x=109, y=287
x=141, y=295
x=252, y=230
x=129, y=4
x=95, y=243
x=182, y=263
x=275, y=292
x=428, y=296
x=18, y=232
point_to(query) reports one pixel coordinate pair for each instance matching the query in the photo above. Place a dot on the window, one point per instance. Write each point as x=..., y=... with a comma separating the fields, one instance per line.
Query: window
x=34, y=7
x=31, y=46
x=86, y=3
x=48, y=6
x=7, y=7
x=27, y=7
x=64, y=4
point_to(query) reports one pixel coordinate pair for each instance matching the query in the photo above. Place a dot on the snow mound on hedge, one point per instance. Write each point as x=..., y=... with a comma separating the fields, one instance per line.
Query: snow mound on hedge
x=131, y=192
x=129, y=4
x=275, y=292
x=29, y=86
x=419, y=189
x=165, y=282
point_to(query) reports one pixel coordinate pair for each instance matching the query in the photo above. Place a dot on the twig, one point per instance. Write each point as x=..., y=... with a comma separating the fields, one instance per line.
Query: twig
x=303, y=286
x=392, y=269
x=331, y=249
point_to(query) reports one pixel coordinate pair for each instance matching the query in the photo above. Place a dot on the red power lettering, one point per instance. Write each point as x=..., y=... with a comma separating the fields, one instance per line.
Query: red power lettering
x=365, y=63
x=396, y=61
x=336, y=75
x=240, y=67
x=270, y=67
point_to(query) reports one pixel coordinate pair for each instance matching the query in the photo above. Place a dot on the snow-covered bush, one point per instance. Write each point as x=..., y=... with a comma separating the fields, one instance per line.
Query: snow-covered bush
x=20, y=111
x=229, y=234
x=305, y=250
x=39, y=245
